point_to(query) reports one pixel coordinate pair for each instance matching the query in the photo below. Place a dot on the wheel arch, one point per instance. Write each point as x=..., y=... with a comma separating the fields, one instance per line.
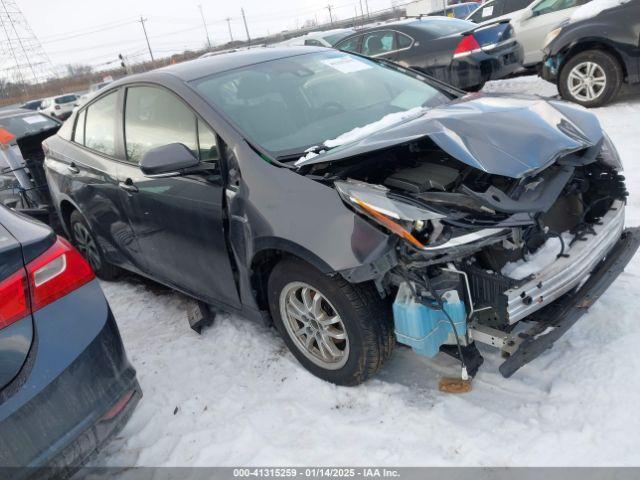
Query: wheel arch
x=67, y=207
x=592, y=44
x=270, y=253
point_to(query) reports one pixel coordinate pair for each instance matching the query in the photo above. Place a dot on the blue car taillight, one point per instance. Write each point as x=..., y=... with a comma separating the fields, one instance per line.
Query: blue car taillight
x=14, y=298
x=50, y=276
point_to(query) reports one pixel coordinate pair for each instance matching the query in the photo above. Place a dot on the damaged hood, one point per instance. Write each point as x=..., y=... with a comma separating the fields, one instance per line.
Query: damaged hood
x=500, y=134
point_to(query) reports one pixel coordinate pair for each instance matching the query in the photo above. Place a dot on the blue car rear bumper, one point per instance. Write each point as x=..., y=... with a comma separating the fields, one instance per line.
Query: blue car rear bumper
x=53, y=413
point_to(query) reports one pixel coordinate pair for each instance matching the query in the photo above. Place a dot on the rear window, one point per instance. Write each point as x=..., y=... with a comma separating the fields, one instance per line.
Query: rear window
x=441, y=27
x=29, y=124
x=65, y=99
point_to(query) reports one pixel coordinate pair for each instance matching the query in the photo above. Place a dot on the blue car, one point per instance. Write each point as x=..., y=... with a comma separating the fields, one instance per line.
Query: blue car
x=66, y=386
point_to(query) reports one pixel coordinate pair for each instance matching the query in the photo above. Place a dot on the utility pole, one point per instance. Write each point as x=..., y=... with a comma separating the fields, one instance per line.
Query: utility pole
x=329, y=7
x=361, y=11
x=246, y=29
x=366, y=2
x=204, y=23
x=142, y=20
x=229, y=25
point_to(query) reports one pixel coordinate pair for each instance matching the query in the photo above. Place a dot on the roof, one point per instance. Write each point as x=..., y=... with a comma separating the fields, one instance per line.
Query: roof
x=14, y=112
x=201, y=67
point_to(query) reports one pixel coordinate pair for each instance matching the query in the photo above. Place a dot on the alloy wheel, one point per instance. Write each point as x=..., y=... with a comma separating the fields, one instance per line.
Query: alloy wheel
x=85, y=243
x=314, y=325
x=587, y=81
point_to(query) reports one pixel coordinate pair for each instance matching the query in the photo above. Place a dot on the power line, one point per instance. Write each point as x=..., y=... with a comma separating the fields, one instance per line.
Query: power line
x=91, y=32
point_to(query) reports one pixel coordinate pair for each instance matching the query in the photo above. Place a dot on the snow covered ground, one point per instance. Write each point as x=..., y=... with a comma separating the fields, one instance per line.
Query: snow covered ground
x=235, y=396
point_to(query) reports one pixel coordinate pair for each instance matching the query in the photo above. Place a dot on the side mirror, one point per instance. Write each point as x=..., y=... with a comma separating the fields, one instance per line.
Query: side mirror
x=168, y=160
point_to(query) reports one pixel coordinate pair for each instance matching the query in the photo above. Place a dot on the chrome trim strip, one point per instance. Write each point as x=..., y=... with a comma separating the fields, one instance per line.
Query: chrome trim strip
x=465, y=239
x=567, y=273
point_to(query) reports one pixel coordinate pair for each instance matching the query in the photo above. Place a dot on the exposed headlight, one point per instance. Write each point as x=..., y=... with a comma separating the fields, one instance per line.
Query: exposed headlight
x=396, y=215
x=609, y=154
x=551, y=36
x=417, y=225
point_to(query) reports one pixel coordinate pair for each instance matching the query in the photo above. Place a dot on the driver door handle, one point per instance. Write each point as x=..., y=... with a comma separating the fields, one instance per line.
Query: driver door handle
x=72, y=168
x=128, y=186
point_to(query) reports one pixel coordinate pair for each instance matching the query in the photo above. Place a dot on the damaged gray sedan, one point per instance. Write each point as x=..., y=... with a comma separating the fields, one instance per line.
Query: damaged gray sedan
x=349, y=201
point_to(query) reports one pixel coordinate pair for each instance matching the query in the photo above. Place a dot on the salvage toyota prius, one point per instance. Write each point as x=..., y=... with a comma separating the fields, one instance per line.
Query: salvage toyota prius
x=351, y=202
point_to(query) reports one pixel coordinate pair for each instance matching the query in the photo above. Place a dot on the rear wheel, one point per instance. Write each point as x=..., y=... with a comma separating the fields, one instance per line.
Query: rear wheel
x=591, y=78
x=84, y=240
x=340, y=332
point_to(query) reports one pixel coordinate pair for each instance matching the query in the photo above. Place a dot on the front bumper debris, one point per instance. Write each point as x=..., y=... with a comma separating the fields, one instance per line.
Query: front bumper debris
x=568, y=272
x=554, y=320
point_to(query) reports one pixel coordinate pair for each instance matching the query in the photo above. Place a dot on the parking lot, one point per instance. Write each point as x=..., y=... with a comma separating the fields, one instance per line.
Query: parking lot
x=236, y=396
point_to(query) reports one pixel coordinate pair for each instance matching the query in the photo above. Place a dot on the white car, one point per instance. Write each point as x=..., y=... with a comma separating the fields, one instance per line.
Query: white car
x=531, y=22
x=59, y=107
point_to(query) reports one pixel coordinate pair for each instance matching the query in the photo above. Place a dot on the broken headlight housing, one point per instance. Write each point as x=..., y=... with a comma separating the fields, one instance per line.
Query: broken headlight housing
x=609, y=154
x=419, y=226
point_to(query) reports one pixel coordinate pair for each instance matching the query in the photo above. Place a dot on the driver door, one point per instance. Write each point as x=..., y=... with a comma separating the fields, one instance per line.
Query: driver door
x=179, y=221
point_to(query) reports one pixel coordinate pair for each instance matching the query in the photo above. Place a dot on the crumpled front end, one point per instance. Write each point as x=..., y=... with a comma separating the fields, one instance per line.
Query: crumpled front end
x=510, y=261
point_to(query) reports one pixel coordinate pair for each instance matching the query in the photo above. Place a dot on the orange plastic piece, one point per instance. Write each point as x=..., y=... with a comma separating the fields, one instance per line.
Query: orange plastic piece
x=6, y=137
x=454, y=385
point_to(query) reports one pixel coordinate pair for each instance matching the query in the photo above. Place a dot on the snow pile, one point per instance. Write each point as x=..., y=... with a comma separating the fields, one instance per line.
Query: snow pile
x=539, y=260
x=243, y=399
x=311, y=152
x=359, y=133
x=593, y=8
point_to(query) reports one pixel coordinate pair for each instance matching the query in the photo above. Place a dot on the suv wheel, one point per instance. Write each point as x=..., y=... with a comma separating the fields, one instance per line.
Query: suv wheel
x=85, y=242
x=340, y=332
x=591, y=78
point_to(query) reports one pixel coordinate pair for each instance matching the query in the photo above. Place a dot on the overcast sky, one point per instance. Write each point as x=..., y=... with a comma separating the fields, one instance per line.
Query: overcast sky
x=63, y=26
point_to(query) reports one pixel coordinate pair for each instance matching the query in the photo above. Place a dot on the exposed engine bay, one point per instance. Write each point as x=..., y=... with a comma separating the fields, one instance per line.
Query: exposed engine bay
x=503, y=247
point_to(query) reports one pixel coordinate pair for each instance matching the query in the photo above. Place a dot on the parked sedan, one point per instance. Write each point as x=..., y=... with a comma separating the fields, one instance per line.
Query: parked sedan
x=32, y=105
x=454, y=51
x=349, y=201
x=66, y=386
x=532, y=23
x=589, y=59
x=22, y=181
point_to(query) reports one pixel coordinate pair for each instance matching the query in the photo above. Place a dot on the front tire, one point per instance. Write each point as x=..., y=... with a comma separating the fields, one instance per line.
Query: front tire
x=84, y=240
x=340, y=332
x=591, y=78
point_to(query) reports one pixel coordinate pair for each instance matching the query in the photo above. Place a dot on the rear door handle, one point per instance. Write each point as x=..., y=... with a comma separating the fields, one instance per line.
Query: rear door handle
x=128, y=186
x=72, y=168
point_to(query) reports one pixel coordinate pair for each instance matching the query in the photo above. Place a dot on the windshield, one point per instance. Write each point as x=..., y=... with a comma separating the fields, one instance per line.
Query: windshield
x=291, y=104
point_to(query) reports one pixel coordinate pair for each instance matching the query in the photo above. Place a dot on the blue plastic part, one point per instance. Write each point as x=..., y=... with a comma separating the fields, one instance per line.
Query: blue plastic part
x=423, y=328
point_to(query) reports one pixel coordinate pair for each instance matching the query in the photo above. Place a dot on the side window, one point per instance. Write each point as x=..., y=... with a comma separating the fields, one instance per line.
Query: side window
x=404, y=41
x=378, y=43
x=207, y=144
x=99, y=131
x=349, y=45
x=155, y=117
x=78, y=133
x=486, y=12
x=550, y=6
